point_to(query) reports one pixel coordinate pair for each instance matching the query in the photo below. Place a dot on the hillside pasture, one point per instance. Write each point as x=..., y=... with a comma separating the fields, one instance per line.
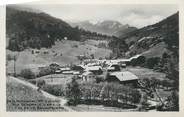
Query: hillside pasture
x=55, y=79
x=156, y=51
x=63, y=52
x=96, y=42
x=146, y=73
x=21, y=97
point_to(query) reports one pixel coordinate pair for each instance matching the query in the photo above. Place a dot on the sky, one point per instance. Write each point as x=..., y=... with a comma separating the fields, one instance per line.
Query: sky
x=132, y=14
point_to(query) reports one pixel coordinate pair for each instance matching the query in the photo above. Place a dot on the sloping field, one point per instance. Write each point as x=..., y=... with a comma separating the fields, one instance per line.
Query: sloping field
x=24, y=60
x=55, y=79
x=146, y=73
x=21, y=97
x=75, y=48
x=96, y=42
x=64, y=53
x=156, y=51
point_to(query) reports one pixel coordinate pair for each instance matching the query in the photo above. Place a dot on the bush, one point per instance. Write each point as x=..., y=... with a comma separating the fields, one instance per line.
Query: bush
x=167, y=84
x=133, y=62
x=45, y=71
x=139, y=61
x=173, y=101
x=33, y=82
x=9, y=57
x=40, y=83
x=27, y=73
x=152, y=62
x=99, y=79
x=144, y=103
x=57, y=90
x=54, y=66
x=77, y=68
x=73, y=92
x=111, y=92
x=135, y=96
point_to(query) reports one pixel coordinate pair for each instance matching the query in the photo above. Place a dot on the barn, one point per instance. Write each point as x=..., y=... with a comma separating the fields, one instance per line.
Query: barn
x=97, y=70
x=124, y=77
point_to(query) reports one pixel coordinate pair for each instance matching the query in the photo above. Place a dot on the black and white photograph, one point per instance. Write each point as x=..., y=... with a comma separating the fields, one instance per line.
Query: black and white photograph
x=92, y=58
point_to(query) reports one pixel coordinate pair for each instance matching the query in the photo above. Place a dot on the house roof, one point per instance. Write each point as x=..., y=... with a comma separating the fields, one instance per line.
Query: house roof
x=110, y=68
x=64, y=68
x=135, y=57
x=87, y=73
x=123, y=64
x=119, y=60
x=93, y=68
x=124, y=76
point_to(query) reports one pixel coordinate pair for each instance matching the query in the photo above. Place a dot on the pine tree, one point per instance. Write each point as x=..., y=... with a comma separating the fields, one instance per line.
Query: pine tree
x=73, y=92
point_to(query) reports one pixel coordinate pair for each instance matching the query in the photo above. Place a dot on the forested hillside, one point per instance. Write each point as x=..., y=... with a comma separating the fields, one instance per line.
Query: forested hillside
x=27, y=29
x=163, y=35
x=35, y=30
x=159, y=45
x=152, y=40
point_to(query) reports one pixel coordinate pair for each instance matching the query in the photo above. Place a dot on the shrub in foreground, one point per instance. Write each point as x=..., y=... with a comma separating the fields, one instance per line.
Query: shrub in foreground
x=73, y=92
x=27, y=73
x=45, y=71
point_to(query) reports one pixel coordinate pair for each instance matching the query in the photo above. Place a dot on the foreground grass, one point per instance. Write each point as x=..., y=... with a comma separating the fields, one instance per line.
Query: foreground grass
x=23, y=98
x=99, y=108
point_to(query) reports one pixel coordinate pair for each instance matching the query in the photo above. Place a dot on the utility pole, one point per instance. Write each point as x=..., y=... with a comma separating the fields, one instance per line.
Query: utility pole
x=14, y=65
x=51, y=78
x=15, y=59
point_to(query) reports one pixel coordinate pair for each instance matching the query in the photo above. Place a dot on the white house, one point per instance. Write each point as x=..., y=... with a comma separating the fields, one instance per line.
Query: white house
x=86, y=76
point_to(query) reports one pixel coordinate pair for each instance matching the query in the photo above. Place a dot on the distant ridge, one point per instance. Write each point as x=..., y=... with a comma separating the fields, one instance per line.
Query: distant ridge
x=154, y=40
x=107, y=27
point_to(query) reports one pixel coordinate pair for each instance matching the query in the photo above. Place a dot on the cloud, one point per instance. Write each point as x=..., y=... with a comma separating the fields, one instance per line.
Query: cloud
x=140, y=20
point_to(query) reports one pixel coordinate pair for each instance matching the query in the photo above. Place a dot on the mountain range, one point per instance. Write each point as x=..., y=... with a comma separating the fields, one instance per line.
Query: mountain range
x=107, y=27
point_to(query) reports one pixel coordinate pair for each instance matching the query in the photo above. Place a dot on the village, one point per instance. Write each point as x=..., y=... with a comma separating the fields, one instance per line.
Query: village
x=93, y=72
x=92, y=68
x=111, y=82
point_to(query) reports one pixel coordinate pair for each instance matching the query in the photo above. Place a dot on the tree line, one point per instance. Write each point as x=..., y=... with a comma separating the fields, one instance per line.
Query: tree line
x=103, y=92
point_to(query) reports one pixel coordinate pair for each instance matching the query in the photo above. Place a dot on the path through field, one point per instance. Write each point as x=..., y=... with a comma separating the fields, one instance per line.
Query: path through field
x=62, y=100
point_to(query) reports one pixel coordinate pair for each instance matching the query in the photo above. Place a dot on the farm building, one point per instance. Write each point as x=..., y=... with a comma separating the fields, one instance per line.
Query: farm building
x=123, y=61
x=114, y=67
x=97, y=70
x=86, y=76
x=68, y=72
x=123, y=65
x=62, y=70
x=125, y=77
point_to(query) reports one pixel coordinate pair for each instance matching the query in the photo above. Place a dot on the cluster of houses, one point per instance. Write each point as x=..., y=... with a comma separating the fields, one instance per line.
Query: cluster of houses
x=93, y=68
